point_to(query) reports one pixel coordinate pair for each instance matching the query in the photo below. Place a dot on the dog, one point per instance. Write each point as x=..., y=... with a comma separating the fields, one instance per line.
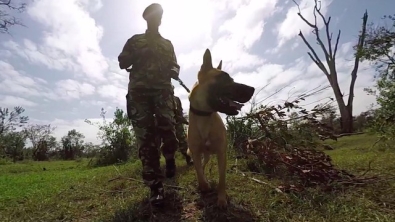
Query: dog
x=214, y=92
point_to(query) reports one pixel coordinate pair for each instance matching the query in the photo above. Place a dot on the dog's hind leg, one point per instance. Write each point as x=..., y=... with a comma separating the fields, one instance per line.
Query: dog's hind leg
x=221, y=157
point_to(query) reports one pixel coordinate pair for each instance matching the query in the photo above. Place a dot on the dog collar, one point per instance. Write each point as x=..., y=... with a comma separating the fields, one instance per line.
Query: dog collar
x=199, y=112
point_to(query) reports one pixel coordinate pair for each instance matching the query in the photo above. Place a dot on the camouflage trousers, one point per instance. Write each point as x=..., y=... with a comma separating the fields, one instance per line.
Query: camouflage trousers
x=182, y=139
x=151, y=114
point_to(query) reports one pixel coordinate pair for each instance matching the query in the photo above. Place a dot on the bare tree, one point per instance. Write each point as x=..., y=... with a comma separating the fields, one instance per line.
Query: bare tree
x=41, y=139
x=36, y=133
x=7, y=19
x=346, y=110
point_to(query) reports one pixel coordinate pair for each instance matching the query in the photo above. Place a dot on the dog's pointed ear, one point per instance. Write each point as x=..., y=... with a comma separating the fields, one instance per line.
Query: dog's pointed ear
x=220, y=65
x=207, y=61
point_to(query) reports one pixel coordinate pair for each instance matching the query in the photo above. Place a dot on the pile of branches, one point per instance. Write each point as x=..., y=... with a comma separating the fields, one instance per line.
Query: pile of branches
x=298, y=165
x=301, y=168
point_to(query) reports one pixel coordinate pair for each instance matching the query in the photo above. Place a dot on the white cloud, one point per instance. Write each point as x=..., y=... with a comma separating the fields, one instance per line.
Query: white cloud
x=71, y=38
x=11, y=101
x=72, y=89
x=292, y=24
x=16, y=83
x=237, y=35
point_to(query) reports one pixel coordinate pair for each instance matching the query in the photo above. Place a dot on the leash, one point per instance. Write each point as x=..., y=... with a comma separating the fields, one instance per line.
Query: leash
x=183, y=85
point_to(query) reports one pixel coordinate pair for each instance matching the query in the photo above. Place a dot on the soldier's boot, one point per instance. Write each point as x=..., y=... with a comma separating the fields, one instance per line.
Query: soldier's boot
x=157, y=195
x=170, y=168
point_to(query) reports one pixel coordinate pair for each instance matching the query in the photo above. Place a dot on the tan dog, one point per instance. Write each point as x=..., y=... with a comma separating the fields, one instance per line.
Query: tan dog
x=215, y=91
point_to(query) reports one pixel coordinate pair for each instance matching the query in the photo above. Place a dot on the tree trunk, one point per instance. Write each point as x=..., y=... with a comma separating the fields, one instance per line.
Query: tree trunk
x=346, y=119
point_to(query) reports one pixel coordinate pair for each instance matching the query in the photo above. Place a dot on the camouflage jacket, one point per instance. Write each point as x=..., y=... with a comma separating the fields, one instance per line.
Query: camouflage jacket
x=178, y=111
x=151, y=71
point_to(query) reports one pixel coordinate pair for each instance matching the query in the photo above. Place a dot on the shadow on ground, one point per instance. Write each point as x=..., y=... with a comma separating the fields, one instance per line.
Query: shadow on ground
x=142, y=211
x=207, y=203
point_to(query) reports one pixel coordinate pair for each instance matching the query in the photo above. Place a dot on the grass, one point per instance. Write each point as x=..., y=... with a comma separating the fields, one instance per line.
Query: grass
x=71, y=191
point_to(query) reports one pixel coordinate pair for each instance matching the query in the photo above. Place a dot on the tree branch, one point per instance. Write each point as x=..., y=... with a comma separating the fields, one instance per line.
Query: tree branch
x=7, y=20
x=336, y=45
x=354, y=72
x=315, y=59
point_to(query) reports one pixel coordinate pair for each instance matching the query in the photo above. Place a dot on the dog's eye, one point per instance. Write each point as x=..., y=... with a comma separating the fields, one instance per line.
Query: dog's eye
x=225, y=77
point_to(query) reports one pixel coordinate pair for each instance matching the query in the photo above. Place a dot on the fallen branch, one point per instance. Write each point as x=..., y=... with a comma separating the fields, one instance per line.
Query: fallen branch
x=256, y=180
x=323, y=138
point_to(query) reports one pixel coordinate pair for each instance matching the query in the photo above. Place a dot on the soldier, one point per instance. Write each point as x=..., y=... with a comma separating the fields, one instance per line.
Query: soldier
x=150, y=98
x=180, y=132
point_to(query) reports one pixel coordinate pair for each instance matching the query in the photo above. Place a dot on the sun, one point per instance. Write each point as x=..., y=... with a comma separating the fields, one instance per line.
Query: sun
x=186, y=20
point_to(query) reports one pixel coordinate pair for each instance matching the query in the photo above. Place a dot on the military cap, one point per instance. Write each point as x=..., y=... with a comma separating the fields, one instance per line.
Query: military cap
x=154, y=9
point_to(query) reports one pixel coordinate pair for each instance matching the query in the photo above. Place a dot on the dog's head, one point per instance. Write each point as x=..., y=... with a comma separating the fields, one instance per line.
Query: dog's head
x=223, y=94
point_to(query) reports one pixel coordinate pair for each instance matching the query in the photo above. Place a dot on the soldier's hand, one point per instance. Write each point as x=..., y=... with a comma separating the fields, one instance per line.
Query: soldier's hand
x=174, y=71
x=185, y=121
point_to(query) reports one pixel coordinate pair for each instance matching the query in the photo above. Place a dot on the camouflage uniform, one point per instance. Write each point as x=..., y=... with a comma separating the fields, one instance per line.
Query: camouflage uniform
x=150, y=96
x=180, y=132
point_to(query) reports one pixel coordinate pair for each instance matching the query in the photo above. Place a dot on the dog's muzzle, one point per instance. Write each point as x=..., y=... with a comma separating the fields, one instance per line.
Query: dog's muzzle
x=241, y=93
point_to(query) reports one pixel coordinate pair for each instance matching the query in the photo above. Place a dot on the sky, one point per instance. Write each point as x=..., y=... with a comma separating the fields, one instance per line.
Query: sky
x=62, y=66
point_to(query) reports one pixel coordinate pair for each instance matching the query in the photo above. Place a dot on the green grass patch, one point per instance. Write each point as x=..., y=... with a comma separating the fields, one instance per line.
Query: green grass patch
x=71, y=191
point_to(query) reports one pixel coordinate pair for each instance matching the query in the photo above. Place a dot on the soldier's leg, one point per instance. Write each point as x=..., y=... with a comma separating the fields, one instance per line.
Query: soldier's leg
x=164, y=109
x=140, y=111
x=182, y=142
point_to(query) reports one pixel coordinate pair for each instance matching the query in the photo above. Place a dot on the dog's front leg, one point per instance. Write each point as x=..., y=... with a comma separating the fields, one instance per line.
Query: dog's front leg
x=197, y=162
x=221, y=157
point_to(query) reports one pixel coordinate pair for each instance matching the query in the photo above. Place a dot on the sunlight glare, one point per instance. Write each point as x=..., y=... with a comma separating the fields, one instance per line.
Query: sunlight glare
x=186, y=22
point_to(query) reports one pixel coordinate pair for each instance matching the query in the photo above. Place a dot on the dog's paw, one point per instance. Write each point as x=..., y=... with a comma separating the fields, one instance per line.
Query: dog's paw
x=204, y=187
x=222, y=202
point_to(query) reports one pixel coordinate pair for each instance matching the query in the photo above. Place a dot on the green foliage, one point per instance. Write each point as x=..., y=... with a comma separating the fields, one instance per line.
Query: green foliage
x=379, y=49
x=41, y=138
x=239, y=131
x=9, y=120
x=117, y=139
x=72, y=145
x=12, y=145
x=299, y=128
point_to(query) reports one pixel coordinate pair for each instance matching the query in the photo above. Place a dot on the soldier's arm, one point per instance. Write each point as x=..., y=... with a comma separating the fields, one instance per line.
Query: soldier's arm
x=178, y=104
x=180, y=111
x=174, y=57
x=128, y=55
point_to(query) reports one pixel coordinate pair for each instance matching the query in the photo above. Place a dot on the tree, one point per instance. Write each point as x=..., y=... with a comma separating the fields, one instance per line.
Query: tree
x=7, y=8
x=12, y=145
x=345, y=109
x=11, y=142
x=117, y=138
x=379, y=49
x=90, y=150
x=72, y=144
x=329, y=116
x=9, y=120
x=39, y=136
